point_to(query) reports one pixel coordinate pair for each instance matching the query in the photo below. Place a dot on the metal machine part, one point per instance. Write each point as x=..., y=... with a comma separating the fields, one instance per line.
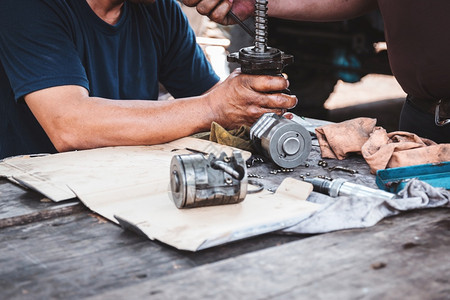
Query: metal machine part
x=341, y=168
x=261, y=59
x=341, y=187
x=284, y=141
x=196, y=180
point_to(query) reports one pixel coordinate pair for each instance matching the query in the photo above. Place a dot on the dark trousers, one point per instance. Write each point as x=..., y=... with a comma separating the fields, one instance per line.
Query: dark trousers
x=422, y=123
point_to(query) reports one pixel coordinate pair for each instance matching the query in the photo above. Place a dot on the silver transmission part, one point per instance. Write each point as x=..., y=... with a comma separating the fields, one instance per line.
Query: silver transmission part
x=285, y=142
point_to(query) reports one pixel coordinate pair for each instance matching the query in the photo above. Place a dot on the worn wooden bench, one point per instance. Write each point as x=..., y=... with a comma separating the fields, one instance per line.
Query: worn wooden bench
x=62, y=250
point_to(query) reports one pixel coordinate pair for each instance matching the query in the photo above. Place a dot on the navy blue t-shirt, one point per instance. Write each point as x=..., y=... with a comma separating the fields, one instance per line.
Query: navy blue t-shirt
x=47, y=43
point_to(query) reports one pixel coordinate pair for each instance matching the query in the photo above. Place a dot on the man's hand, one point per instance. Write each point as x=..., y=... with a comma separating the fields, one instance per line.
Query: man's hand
x=73, y=120
x=217, y=10
x=242, y=99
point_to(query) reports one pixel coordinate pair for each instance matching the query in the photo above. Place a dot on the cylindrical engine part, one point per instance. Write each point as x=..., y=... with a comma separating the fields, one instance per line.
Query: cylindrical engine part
x=284, y=141
x=199, y=181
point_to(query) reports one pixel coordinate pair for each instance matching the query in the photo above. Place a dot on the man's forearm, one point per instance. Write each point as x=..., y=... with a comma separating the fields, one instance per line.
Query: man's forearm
x=74, y=120
x=77, y=121
x=141, y=122
x=319, y=10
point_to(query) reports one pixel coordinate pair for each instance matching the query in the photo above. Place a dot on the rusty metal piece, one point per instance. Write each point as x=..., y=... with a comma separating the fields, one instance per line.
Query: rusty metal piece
x=341, y=168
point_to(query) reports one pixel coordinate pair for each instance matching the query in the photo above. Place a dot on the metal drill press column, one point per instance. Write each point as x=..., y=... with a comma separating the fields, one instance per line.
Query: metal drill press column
x=261, y=59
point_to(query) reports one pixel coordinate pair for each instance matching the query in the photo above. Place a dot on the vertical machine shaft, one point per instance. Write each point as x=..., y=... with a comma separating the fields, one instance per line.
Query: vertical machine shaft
x=261, y=26
x=261, y=59
x=283, y=141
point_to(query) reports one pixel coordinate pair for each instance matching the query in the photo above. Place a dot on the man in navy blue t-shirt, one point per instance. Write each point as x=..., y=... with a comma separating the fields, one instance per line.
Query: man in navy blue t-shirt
x=78, y=74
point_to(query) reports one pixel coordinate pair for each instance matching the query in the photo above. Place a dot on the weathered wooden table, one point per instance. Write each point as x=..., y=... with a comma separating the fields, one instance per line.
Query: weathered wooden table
x=63, y=250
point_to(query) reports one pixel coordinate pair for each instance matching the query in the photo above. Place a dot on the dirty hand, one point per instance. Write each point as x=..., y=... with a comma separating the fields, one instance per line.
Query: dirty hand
x=217, y=10
x=241, y=99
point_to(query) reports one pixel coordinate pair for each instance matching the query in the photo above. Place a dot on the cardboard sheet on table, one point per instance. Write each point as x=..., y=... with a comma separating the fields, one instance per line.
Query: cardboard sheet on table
x=51, y=174
x=147, y=209
x=131, y=184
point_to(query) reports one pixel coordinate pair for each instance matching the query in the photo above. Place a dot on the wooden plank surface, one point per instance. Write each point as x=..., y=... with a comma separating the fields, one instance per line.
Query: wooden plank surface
x=19, y=206
x=404, y=257
x=83, y=254
x=67, y=252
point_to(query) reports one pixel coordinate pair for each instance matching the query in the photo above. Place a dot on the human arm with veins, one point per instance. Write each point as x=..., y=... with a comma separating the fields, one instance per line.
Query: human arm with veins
x=304, y=10
x=73, y=120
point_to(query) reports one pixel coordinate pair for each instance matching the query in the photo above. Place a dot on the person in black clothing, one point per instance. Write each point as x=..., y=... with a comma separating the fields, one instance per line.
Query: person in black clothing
x=419, y=51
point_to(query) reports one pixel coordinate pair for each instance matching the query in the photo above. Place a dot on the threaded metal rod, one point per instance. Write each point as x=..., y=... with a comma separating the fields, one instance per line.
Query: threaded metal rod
x=261, y=26
x=261, y=59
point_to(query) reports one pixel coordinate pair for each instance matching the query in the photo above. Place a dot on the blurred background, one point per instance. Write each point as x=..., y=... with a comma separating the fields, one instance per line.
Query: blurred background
x=340, y=71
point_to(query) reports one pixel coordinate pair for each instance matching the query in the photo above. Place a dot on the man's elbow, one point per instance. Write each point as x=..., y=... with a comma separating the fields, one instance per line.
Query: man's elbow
x=68, y=140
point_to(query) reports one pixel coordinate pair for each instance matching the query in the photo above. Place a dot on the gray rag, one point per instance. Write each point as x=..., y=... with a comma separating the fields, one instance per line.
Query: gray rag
x=352, y=212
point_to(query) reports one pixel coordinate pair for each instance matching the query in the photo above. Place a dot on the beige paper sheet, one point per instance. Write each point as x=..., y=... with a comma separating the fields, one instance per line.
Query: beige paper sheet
x=131, y=184
x=51, y=174
x=147, y=209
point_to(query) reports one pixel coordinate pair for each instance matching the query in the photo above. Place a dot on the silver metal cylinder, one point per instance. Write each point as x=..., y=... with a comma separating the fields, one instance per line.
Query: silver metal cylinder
x=341, y=187
x=196, y=180
x=284, y=141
